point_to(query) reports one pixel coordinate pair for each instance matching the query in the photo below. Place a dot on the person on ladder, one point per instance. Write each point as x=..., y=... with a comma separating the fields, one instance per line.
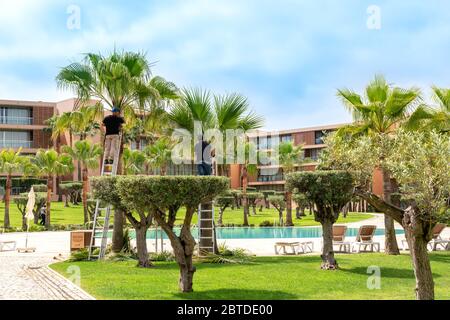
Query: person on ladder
x=113, y=124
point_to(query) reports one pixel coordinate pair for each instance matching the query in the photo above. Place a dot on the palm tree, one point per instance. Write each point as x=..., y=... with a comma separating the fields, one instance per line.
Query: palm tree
x=159, y=154
x=120, y=80
x=247, y=168
x=438, y=117
x=47, y=164
x=133, y=161
x=88, y=156
x=380, y=112
x=10, y=162
x=289, y=156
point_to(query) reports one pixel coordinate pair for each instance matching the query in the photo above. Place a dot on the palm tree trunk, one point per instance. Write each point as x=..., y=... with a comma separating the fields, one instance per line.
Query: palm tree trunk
x=49, y=200
x=6, y=221
x=119, y=216
x=244, y=194
x=289, y=222
x=84, y=196
x=391, y=246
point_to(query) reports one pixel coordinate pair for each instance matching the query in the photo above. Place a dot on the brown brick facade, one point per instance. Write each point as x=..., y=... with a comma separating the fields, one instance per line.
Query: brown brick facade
x=41, y=114
x=307, y=138
x=41, y=139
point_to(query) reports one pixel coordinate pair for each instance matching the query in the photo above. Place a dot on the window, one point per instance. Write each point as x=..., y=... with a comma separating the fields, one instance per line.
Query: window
x=312, y=154
x=10, y=115
x=319, y=137
x=15, y=139
x=286, y=138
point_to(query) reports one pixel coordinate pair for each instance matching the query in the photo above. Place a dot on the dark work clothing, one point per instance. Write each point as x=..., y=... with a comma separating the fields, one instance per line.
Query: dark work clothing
x=112, y=124
x=203, y=152
x=203, y=158
x=204, y=169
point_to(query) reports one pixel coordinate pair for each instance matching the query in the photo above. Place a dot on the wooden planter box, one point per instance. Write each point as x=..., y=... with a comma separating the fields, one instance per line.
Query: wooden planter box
x=80, y=239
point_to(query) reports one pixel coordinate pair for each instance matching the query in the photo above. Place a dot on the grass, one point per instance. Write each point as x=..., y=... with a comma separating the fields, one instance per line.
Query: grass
x=74, y=215
x=59, y=214
x=296, y=277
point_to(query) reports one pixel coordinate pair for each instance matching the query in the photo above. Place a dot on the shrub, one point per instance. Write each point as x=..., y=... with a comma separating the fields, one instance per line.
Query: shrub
x=39, y=187
x=159, y=198
x=266, y=223
x=162, y=256
x=330, y=191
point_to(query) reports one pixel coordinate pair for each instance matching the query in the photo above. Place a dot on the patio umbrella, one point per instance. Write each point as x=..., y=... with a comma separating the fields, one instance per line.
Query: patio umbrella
x=29, y=212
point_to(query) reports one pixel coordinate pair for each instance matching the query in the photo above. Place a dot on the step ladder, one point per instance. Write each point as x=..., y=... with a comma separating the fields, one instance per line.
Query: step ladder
x=100, y=226
x=206, y=230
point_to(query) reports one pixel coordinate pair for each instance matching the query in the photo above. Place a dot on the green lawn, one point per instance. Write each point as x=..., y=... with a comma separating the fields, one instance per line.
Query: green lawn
x=59, y=214
x=267, y=278
x=74, y=215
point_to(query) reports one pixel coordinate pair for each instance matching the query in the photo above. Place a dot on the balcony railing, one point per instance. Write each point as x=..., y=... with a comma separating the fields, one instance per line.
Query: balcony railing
x=15, y=144
x=275, y=177
x=16, y=120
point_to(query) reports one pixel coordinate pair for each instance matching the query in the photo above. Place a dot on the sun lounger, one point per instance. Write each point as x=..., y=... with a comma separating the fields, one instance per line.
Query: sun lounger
x=365, y=239
x=7, y=246
x=295, y=247
x=339, y=238
x=436, y=241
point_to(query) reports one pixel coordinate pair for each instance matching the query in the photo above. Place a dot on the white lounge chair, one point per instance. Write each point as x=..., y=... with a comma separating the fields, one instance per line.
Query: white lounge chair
x=295, y=247
x=365, y=239
x=7, y=245
x=436, y=241
x=339, y=238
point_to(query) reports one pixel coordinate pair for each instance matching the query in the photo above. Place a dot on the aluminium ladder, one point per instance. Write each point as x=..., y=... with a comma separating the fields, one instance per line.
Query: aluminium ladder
x=206, y=236
x=100, y=226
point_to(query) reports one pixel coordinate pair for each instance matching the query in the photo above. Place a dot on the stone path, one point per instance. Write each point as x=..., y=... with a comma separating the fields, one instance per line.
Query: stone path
x=26, y=276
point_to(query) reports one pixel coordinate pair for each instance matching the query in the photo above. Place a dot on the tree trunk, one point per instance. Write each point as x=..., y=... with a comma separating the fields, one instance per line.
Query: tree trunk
x=6, y=221
x=117, y=238
x=328, y=261
x=141, y=244
x=289, y=222
x=84, y=196
x=245, y=206
x=220, y=220
x=391, y=246
x=187, y=268
x=418, y=233
x=49, y=201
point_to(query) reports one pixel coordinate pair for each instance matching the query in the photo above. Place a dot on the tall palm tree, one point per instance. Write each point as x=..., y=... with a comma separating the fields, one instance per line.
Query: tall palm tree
x=47, y=164
x=133, y=161
x=159, y=154
x=10, y=162
x=436, y=117
x=120, y=80
x=379, y=112
x=289, y=157
x=88, y=155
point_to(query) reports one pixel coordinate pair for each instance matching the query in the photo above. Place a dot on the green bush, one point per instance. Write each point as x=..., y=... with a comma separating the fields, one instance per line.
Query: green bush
x=39, y=187
x=266, y=223
x=162, y=256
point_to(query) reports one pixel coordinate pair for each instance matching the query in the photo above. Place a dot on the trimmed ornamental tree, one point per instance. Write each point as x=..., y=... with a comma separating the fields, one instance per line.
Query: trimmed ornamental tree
x=419, y=161
x=302, y=203
x=279, y=203
x=330, y=191
x=253, y=198
x=21, y=203
x=224, y=201
x=266, y=194
x=162, y=197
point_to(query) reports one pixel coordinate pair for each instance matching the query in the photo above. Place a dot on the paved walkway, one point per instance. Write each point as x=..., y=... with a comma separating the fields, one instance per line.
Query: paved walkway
x=27, y=276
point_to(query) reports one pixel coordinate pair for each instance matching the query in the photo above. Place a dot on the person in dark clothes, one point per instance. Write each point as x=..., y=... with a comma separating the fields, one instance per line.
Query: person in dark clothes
x=42, y=215
x=113, y=124
x=203, y=155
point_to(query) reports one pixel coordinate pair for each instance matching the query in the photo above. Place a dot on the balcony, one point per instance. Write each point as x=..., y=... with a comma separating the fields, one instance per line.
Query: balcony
x=15, y=144
x=16, y=120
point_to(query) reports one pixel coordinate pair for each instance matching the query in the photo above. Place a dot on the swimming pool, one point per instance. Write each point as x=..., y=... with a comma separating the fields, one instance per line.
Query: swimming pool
x=268, y=233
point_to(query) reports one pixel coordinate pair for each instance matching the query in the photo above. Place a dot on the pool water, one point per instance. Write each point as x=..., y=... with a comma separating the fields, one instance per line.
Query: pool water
x=267, y=232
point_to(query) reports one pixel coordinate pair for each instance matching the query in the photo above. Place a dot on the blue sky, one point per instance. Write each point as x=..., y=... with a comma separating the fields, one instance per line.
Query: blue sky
x=287, y=56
